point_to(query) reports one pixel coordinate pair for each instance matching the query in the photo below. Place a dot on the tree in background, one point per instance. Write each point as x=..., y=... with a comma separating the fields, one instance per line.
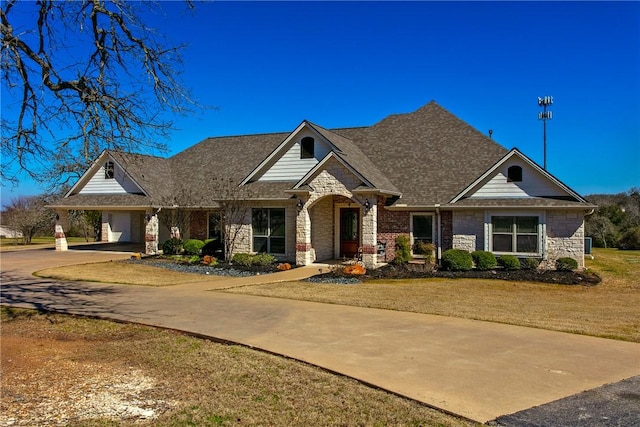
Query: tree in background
x=616, y=216
x=85, y=223
x=29, y=216
x=79, y=77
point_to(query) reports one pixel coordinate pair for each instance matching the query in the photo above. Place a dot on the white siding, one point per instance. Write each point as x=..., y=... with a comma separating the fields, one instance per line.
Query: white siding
x=290, y=167
x=119, y=184
x=533, y=184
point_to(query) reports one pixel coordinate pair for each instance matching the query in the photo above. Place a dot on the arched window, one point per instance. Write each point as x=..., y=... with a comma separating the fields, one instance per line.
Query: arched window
x=108, y=170
x=306, y=148
x=514, y=174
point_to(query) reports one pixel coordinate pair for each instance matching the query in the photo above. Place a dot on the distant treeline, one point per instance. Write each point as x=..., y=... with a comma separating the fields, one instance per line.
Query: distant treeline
x=616, y=221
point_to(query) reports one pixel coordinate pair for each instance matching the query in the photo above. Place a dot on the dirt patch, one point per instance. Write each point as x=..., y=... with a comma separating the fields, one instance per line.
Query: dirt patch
x=48, y=379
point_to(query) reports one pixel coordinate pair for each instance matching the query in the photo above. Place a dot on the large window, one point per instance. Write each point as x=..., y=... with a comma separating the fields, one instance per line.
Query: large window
x=268, y=230
x=421, y=232
x=517, y=234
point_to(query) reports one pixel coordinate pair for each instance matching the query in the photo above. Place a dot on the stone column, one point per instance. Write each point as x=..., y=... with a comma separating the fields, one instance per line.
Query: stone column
x=62, y=223
x=370, y=235
x=303, y=237
x=151, y=234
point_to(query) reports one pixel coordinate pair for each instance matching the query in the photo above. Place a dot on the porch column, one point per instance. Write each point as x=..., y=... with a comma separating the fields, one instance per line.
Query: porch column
x=370, y=235
x=151, y=232
x=303, y=238
x=62, y=223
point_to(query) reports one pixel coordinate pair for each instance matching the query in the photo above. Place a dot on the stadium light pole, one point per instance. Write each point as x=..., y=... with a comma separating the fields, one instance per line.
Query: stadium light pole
x=545, y=115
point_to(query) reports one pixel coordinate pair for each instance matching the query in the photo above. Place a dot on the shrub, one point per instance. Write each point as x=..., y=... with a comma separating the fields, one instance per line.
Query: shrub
x=194, y=259
x=242, y=259
x=509, y=262
x=172, y=247
x=262, y=259
x=355, y=269
x=566, y=264
x=457, y=260
x=427, y=250
x=403, y=249
x=484, y=260
x=193, y=246
x=529, y=263
x=209, y=260
x=213, y=247
x=630, y=240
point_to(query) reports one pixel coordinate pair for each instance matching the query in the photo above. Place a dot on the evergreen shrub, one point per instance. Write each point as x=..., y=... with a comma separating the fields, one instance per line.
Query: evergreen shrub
x=566, y=264
x=509, y=262
x=193, y=246
x=403, y=249
x=484, y=260
x=457, y=260
x=172, y=247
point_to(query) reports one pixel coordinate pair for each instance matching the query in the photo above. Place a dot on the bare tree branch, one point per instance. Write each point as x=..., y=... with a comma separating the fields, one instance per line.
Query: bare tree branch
x=85, y=76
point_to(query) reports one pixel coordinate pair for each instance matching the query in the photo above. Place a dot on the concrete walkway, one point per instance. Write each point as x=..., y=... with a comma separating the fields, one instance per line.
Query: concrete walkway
x=478, y=370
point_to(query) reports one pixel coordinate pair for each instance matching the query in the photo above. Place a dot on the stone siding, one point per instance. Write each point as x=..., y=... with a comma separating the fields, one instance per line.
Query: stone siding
x=565, y=237
x=323, y=228
x=468, y=230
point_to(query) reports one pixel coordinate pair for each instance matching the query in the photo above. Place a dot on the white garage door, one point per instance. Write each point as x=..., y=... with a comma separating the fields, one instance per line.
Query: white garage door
x=120, y=227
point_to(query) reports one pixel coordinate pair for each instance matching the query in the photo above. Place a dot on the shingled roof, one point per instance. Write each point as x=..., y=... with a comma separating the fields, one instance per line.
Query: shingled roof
x=428, y=156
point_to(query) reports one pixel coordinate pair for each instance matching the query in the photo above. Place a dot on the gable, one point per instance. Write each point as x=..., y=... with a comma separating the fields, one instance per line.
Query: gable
x=516, y=176
x=332, y=177
x=291, y=166
x=96, y=181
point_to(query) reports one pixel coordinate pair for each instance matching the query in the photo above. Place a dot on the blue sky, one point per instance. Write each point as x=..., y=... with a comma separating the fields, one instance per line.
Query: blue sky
x=267, y=66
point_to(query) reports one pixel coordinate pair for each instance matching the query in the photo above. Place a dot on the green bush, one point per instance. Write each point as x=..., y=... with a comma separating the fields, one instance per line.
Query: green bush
x=484, y=260
x=194, y=259
x=529, y=263
x=566, y=264
x=193, y=246
x=457, y=260
x=263, y=259
x=172, y=247
x=509, y=262
x=630, y=240
x=403, y=249
x=242, y=259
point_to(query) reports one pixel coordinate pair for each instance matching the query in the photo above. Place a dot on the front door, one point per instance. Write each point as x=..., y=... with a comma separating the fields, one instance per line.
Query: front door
x=349, y=232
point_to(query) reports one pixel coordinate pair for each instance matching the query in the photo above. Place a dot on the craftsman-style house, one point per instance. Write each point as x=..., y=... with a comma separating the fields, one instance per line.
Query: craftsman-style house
x=316, y=194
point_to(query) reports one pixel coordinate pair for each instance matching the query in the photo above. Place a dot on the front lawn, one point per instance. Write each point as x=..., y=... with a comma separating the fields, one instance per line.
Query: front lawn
x=609, y=309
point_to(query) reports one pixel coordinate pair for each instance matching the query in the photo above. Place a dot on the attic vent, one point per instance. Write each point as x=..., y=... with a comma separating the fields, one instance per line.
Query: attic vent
x=306, y=148
x=108, y=170
x=514, y=174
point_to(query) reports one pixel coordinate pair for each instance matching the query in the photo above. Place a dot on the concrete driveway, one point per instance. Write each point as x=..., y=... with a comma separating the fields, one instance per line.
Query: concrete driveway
x=478, y=370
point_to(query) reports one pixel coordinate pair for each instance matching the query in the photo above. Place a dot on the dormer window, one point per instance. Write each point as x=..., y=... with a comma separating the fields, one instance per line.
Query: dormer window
x=108, y=170
x=306, y=148
x=514, y=174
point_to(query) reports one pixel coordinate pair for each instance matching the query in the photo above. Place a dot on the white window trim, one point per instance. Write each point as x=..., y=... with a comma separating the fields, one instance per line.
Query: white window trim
x=433, y=229
x=542, y=231
x=285, y=229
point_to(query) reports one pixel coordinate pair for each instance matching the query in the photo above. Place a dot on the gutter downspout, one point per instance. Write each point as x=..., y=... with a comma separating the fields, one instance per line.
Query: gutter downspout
x=439, y=226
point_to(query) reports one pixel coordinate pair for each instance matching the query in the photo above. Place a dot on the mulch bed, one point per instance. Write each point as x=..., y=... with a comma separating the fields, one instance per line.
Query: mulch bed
x=418, y=271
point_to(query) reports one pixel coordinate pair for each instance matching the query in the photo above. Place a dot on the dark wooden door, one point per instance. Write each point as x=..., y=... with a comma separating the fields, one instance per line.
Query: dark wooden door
x=349, y=232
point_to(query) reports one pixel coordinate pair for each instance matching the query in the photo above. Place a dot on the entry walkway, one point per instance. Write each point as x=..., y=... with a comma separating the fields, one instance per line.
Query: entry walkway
x=478, y=370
